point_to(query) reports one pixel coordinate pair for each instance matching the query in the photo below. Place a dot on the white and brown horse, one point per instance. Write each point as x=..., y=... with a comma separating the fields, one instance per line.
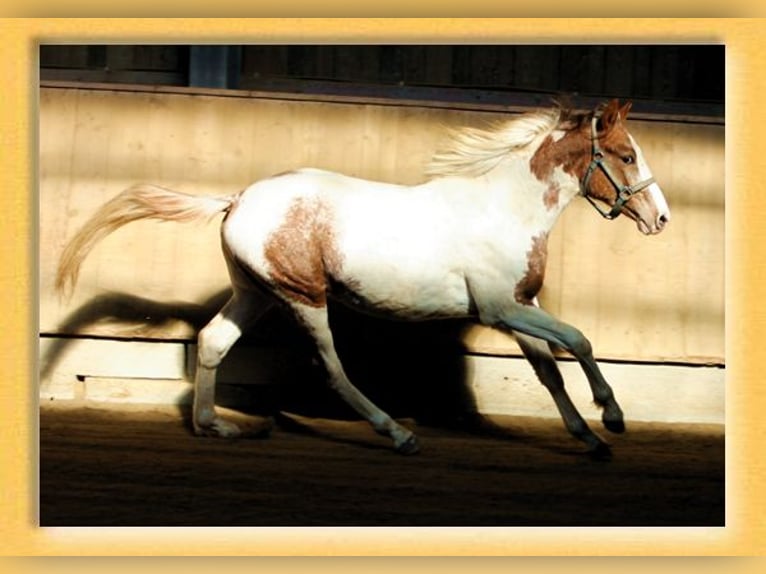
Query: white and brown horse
x=469, y=242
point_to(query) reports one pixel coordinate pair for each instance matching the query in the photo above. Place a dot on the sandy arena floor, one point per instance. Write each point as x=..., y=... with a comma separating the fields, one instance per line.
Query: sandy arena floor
x=136, y=466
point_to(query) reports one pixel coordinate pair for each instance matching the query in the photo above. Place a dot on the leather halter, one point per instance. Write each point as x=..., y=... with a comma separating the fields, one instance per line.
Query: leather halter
x=624, y=192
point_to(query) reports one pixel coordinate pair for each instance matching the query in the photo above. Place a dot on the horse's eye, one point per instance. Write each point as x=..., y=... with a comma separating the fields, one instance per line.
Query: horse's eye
x=628, y=159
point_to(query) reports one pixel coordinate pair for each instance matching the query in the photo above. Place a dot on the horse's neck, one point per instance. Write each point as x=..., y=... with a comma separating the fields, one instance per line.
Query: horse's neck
x=537, y=202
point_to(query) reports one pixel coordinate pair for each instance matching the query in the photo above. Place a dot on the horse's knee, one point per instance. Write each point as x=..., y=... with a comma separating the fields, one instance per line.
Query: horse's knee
x=210, y=350
x=578, y=343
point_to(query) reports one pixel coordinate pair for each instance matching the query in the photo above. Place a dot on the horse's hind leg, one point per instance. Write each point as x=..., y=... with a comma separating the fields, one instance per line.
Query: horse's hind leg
x=539, y=355
x=315, y=320
x=213, y=343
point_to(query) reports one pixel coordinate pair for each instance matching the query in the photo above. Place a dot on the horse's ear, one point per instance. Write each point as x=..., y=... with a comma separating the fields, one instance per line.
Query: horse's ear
x=624, y=110
x=609, y=116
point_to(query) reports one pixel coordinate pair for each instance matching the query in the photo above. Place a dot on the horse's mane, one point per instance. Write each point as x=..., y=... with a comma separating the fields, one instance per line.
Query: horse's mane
x=472, y=151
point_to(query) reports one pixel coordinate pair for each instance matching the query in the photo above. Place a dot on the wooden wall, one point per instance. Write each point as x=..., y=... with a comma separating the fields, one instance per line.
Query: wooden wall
x=660, y=72
x=638, y=298
x=692, y=72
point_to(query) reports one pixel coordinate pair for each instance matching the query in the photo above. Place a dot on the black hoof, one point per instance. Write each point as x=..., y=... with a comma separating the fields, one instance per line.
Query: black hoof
x=602, y=452
x=410, y=446
x=615, y=426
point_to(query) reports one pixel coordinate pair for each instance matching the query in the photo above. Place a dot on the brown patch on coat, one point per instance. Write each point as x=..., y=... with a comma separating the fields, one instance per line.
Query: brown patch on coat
x=529, y=285
x=551, y=197
x=544, y=160
x=570, y=152
x=302, y=253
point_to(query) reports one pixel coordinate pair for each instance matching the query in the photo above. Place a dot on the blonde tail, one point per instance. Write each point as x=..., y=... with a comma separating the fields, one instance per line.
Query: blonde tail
x=138, y=202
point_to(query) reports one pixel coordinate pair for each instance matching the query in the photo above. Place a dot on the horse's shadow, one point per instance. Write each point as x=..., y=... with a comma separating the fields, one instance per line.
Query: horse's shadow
x=130, y=317
x=412, y=370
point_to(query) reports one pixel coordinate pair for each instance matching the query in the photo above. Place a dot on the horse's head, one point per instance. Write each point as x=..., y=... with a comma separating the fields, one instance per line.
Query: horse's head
x=617, y=174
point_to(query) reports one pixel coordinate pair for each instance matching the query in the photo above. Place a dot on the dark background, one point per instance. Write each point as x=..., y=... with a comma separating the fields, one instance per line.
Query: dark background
x=673, y=79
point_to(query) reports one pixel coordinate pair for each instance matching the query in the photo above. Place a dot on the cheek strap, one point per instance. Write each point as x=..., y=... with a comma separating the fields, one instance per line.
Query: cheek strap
x=624, y=192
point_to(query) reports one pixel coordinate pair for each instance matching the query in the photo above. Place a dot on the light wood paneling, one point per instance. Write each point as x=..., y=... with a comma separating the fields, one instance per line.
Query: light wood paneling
x=103, y=371
x=637, y=298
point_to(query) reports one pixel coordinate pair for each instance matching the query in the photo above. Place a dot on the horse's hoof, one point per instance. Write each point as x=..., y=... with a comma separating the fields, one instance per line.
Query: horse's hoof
x=218, y=428
x=601, y=451
x=409, y=446
x=259, y=429
x=616, y=426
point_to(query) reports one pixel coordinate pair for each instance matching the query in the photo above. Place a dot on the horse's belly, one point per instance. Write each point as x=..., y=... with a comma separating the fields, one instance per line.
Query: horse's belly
x=407, y=298
x=394, y=267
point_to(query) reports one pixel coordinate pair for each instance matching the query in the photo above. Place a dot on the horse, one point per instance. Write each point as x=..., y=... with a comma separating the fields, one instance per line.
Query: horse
x=468, y=242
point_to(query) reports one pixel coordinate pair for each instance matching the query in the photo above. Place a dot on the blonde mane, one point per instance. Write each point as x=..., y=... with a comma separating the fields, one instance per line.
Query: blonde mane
x=473, y=151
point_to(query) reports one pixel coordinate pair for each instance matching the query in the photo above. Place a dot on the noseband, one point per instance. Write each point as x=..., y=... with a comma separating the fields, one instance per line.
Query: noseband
x=624, y=192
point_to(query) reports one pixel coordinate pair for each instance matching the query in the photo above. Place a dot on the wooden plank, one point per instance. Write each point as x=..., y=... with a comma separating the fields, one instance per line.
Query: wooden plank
x=537, y=68
x=360, y=64
x=409, y=96
x=439, y=66
x=260, y=61
x=594, y=70
x=415, y=66
x=462, y=72
x=642, y=72
x=490, y=67
x=574, y=68
x=665, y=72
x=163, y=57
x=325, y=59
x=618, y=75
x=231, y=400
x=656, y=393
x=121, y=57
x=110, y=365
x=64, y=361
x=157, y=373
x=390, y=65
x=118, y=77
x=52, y=56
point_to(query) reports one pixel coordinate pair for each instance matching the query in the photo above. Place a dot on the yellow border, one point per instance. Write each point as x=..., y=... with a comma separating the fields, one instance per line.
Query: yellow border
x=744, y=533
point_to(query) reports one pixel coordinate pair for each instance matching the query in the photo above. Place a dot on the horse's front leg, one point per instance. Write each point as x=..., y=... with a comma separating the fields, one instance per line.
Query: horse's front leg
x=539, y=355
x=538, y=323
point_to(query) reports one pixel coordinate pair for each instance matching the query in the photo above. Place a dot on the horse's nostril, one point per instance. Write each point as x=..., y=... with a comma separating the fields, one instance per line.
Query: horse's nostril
x=662, y=220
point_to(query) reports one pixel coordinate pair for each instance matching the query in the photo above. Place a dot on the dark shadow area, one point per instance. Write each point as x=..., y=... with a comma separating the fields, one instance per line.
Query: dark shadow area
x=128, y=317
x=321, y=465
x=141, y=467
x=408, y=369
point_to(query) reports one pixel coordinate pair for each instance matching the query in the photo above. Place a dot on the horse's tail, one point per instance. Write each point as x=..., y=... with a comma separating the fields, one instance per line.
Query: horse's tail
x=138, y=202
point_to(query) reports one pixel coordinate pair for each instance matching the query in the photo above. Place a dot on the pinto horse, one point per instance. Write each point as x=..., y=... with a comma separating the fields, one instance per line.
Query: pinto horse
x=469, y=242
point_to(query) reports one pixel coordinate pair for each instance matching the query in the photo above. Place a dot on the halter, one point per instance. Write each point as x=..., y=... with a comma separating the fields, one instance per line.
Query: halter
x=624, y=192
